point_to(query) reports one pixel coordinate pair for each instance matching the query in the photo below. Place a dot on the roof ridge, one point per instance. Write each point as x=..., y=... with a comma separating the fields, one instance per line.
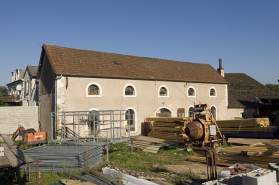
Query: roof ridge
x=126, y=54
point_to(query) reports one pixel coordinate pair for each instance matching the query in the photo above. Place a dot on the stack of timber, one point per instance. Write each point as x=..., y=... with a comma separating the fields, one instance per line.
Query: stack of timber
x=245, y=125
x=169, y=128
x=257, y=154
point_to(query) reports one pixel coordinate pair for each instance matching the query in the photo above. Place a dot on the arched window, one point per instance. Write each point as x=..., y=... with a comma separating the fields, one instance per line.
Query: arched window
x=191, y=112
x=212, y=92
x=191, y=91
x=129, y=90
x=163, y=112
x=93, y=90
x=130, y=118
x=163, y=91
x=213, y=111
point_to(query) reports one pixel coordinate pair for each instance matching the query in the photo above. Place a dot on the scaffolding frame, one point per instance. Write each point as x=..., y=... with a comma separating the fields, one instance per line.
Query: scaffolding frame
x=109, y=126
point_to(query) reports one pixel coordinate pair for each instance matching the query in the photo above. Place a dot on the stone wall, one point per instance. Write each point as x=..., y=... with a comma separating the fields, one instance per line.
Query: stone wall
x=12, y=116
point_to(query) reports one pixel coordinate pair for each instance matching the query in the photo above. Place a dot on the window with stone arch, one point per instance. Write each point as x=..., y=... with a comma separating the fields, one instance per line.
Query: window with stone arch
x=163, y=91
x=129, y=91
x=191, y=92
x=212, y=92
x=93, y=90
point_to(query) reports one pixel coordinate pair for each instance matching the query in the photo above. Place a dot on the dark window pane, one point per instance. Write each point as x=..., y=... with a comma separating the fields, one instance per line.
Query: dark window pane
x=129, y=90
x=163, y=91
x=93, y=90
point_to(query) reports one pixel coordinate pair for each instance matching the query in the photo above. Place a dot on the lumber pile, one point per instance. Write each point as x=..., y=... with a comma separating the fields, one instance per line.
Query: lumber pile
x=259, y=155
x=169, y=128
x=245, y=125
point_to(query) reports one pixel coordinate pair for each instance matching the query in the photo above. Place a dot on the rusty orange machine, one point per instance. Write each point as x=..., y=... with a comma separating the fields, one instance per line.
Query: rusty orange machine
x=30, y=136
x=204, y=129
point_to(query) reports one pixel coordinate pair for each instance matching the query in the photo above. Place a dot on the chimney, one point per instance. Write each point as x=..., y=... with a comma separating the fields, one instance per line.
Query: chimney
x=220, y=70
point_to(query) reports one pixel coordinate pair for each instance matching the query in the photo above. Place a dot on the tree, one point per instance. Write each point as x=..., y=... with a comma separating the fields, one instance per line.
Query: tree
x=3, y=92
x=273, y=87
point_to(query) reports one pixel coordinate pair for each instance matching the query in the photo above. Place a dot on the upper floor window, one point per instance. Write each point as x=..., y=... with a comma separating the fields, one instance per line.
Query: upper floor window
x=129, y=91
x=191, y=91
x=163, y=91
x=93, y=90
x=212, y=92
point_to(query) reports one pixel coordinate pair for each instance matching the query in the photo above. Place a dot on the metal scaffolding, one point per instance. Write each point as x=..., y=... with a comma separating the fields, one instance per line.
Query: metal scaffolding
x=110, y=126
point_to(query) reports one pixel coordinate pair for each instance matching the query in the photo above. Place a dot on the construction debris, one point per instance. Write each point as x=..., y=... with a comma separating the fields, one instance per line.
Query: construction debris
x=255, y=177
x=237, y=169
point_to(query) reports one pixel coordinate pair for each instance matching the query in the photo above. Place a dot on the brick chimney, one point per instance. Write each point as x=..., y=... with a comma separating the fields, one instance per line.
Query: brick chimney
x=220, y=70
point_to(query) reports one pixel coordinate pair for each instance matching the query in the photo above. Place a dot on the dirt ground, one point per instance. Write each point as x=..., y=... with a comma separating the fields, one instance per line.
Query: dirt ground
x=246, y=141
x=194, y=167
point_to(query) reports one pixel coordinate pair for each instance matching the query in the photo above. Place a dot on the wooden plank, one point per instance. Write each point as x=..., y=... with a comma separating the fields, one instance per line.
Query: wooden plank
x=168, y=124
x=257, y=122
x=170, y=129
x=246, y=129
x=15, y=162
x=9, y=141
x=169, y=119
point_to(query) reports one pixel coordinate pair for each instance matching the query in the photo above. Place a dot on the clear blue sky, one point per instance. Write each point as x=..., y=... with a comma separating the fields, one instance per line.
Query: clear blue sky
x=245, y=34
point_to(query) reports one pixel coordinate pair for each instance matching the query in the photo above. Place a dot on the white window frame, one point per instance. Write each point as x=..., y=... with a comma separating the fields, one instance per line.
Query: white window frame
x=136, y=117
x=188, y=110
x=214, y=90
x=194, y=91
x=216, y=111
x=93, y=96
x=172, y=115
x=168, y=92
x=130, y=96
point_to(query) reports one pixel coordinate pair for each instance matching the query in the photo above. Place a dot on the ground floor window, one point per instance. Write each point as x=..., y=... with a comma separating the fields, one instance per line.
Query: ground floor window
x=163, y=112
x=130, y=118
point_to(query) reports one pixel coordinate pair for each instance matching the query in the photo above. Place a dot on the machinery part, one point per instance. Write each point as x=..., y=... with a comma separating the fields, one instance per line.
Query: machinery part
x=30, y=136
x=210, y=158
x=194, y=130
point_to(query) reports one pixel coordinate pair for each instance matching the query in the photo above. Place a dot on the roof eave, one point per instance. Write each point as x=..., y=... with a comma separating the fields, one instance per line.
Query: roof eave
x=133, y=78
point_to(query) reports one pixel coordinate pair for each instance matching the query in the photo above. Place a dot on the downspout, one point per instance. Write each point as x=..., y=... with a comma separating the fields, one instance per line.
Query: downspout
x=55, y=107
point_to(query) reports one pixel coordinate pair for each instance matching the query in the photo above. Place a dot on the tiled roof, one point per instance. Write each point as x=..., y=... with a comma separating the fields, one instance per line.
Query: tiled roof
x=33, y=70
x=69, y=61
x=245, y=91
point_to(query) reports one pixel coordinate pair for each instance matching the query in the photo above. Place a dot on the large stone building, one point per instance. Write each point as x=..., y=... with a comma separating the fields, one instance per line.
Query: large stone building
x=82, y=80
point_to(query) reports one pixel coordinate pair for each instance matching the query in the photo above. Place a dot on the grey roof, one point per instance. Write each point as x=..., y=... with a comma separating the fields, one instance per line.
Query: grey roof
x=244, y=91
x=32, y=70
x=21, y=73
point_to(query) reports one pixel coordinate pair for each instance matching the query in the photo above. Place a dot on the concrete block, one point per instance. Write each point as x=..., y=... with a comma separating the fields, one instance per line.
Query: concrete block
x=2, y=151
x=275, y=167
x=260, y=177
x=215, y=182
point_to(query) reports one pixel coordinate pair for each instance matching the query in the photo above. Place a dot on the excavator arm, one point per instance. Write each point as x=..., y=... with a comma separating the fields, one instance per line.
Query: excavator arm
x=17, y=132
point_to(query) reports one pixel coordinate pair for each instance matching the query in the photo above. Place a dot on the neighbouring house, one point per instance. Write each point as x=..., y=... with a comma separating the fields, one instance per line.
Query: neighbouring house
x=249, y=98
x=30, y=93
x=15, y=88
x=82, y=80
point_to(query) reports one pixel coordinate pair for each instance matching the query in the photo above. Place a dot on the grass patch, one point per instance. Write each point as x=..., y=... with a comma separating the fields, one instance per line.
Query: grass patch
x=120, y=155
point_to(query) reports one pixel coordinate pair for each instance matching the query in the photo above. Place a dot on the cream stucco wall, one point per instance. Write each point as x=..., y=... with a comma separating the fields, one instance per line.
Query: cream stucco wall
x=146, y=102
